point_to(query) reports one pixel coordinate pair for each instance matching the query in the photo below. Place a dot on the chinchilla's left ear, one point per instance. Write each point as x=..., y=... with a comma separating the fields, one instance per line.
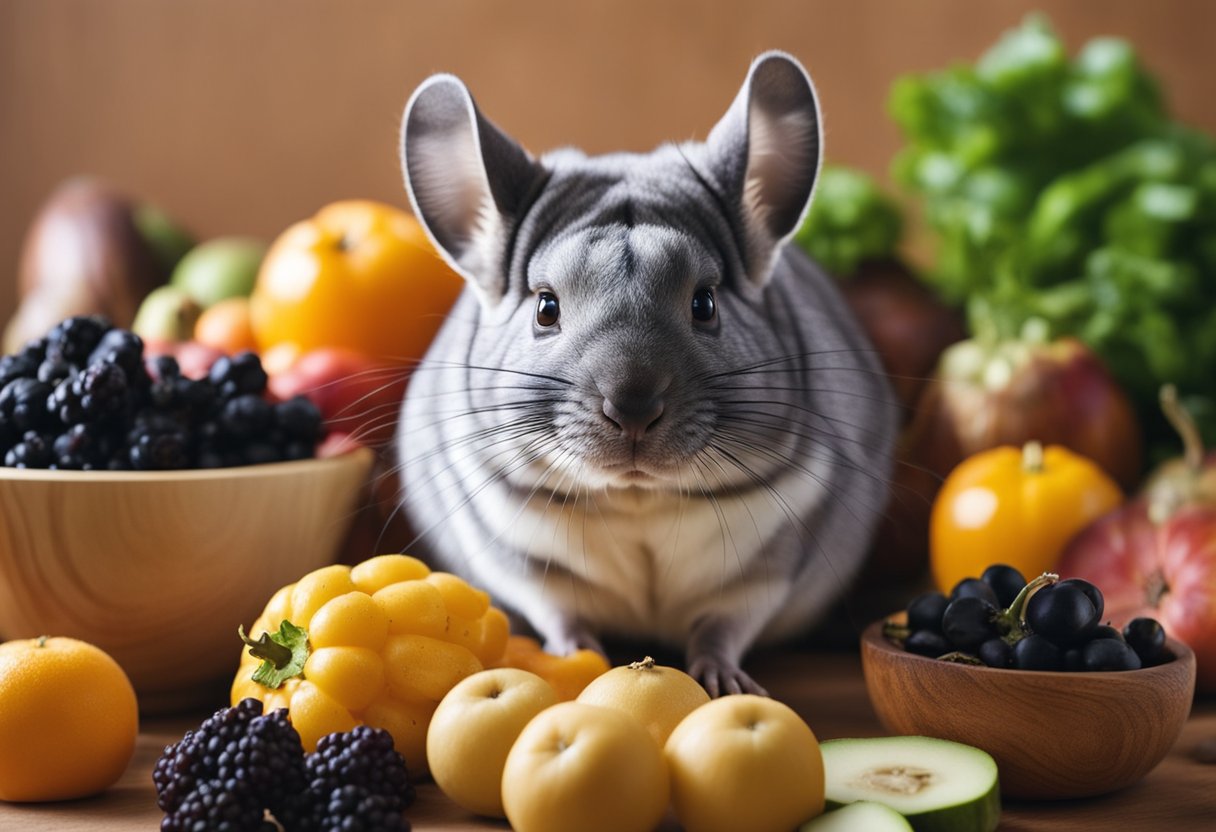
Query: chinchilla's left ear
x=764, y=156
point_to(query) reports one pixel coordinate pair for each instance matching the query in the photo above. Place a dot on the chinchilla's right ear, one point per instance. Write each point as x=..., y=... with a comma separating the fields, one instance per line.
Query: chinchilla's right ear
x=467, y=180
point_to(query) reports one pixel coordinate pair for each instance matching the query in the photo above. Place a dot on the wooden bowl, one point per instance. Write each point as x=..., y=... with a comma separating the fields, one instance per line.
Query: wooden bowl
x=159, y=568
x=1053, y=735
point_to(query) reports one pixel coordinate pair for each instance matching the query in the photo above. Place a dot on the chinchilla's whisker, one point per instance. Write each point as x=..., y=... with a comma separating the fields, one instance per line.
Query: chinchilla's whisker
x=732, y=409
x=432, y=364
x=716, y=451
x=496, y=434
x=785, y=359
x=723, y=526
x=758, y=424
x=764, y=450
x=799, y=389
x=524, y=456
x=836, y=457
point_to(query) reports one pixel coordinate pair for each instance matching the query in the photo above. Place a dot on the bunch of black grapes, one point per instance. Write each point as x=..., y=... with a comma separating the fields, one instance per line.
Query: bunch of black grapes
x=998, y=621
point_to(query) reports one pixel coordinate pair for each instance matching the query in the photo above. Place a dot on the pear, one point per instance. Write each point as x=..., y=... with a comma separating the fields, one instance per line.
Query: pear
x=221, y=268
x=168, y=313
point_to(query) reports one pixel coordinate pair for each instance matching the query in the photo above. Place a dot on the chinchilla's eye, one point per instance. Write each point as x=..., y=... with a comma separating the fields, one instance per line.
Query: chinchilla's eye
x=704, y=308
x=546, y=309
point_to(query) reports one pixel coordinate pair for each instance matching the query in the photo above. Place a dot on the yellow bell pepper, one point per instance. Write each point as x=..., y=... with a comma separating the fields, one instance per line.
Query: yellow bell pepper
x=1014, y=506
x=379, y=644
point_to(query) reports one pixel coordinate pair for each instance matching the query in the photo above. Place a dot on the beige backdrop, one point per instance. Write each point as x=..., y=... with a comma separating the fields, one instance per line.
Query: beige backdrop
x=244, y=115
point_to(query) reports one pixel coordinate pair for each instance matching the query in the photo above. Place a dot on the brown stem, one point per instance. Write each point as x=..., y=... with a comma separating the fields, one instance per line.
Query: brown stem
x=1182, y=421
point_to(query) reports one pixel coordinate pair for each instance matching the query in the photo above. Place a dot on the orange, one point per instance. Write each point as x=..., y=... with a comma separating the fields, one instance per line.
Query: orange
x=360, y=275
x=226, y=326
x=68, y=720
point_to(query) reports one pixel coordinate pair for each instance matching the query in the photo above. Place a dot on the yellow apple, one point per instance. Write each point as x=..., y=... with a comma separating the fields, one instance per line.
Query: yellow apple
x=587, y=768
x=655, y=695
x=744, y=762
x=473, y=729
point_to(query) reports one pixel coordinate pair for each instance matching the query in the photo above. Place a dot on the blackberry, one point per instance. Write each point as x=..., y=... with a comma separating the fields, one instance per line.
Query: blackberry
x=13, y=367
x=64, y=402
x=238, y=374
x=159, y=451
x=362, y=757
x=162, y=368
x=33, y=450
x=54, y=370
x=355, y=809
x=299, y=419
x=72, y=340
x=23, y=403
x=217, y=805
x=269, y=758
x=80, y=447
x=124, y=348
x=102, y=389
x=246, y=415
x=194, y=759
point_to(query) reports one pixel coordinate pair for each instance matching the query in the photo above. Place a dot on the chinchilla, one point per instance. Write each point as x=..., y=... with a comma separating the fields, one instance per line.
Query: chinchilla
x=646, y=415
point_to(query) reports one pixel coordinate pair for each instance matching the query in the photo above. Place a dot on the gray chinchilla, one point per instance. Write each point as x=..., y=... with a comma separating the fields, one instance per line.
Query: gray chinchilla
x=646, y=415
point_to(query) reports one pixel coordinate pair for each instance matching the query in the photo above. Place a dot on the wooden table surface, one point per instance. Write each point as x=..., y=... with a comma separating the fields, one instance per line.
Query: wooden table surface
x=826, y=688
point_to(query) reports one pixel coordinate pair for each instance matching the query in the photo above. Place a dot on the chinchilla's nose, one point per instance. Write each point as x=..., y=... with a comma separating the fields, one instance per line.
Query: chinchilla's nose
x=634, y=414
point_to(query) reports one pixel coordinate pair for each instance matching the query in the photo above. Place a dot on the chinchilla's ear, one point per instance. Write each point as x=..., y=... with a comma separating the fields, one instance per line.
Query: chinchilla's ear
x=765, y=155
x=467, y=180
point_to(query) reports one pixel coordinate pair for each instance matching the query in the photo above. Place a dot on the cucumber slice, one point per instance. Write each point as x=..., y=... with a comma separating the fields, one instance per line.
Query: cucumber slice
x=862, y=815
x=939, y=786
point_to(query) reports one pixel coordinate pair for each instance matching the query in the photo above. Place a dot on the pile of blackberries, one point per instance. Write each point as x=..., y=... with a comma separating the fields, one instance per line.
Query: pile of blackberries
x=240, y=769
x=84, y=398
x=999, y=621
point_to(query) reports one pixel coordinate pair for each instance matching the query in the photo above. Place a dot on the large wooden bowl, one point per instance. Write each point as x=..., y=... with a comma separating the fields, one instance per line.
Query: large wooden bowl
x=159, y=568
x=1053, y=735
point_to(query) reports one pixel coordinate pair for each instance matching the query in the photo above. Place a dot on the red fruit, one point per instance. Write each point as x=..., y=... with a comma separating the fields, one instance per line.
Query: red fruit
x=1162, y=570
x=1013, y=392
x=193, y=358
x=356, y=395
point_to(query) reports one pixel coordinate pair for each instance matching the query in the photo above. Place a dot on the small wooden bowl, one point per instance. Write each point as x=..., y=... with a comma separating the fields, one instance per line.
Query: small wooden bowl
x=1053, y=735
x=159, y=568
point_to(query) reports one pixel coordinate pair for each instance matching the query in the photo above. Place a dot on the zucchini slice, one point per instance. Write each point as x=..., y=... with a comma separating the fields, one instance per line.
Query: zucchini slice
x=862, y=815
x=938, y=785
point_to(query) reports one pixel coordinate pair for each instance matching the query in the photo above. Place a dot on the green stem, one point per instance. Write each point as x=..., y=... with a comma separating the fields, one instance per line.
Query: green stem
x=1012, y=622
x=266, y=649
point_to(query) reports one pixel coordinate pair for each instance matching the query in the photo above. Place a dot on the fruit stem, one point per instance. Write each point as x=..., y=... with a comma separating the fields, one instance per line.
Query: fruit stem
x=1032, y=457
x=1013, y=620
x=645, y=664
x=266, y=649
x=1181, y=420
x=41, y=641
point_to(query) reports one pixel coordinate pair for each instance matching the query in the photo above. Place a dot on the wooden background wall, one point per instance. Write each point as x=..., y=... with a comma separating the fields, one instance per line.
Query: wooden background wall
x=241, y=116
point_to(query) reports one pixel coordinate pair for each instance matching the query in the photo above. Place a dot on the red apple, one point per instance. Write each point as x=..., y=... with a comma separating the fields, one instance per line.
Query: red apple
x=1163, y=570
x=356, y=395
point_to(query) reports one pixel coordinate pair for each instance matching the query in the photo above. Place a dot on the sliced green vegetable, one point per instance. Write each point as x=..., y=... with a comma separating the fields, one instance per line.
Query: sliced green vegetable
x=937, y=785
x=862, y=816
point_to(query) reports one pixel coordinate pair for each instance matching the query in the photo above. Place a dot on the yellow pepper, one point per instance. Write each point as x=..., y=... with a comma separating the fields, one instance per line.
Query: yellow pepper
x=378, y=644
x=1014, y=506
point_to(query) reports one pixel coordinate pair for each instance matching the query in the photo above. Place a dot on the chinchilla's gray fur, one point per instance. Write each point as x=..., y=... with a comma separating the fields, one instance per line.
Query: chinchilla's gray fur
x=582, y=446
